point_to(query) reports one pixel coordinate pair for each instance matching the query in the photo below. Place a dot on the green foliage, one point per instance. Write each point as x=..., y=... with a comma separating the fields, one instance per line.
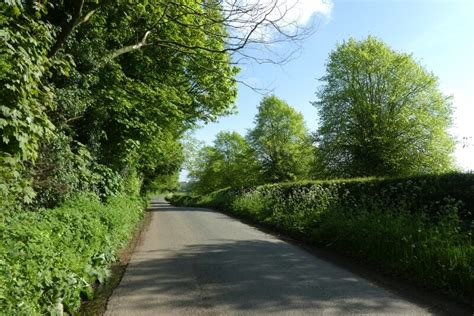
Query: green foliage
x=191, y=148
x=229, y=163
x=24, y=98
x=420, y=227
x=182, y=199
x=381, y=114
x=15, y=188
x=61, y=171
x=55, y=256
x=280, y=140
x=147, y=98
x=440, y=255
x=83, y=107
x=164, y=183
x=159, y=162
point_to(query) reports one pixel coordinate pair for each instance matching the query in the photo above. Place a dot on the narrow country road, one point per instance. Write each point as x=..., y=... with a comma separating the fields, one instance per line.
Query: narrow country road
x=193, y=261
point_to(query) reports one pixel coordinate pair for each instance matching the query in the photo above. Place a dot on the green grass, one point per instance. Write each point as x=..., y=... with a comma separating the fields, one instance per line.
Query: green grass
x=52, y=257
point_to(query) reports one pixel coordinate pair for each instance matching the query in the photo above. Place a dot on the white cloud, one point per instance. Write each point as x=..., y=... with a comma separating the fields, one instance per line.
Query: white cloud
x=303, y=10
x=278, y=15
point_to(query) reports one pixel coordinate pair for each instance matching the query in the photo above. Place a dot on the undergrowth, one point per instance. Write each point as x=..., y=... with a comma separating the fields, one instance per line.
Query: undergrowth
x=50, y=259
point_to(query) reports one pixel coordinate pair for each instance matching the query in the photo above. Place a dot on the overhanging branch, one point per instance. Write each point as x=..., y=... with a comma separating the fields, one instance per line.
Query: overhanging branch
x=130, y=48
x=76, y=20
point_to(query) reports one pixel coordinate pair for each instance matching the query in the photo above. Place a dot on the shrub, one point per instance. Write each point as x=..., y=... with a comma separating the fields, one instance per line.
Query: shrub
x=420, y=227
x=52, y=257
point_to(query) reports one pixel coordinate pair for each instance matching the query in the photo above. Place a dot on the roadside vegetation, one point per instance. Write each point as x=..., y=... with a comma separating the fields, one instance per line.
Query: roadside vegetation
x=51, y=259
x=376, y=181
x=96, y=98
x=416, y=227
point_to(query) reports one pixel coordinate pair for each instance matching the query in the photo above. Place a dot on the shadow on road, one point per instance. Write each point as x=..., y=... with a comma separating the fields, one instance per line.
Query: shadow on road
x=160, y=206
x=250, y=276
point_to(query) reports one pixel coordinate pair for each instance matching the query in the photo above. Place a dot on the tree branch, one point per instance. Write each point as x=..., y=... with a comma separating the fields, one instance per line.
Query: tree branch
x=127, y=49
x=86, y=17
x=68, y=28
x=76, y=20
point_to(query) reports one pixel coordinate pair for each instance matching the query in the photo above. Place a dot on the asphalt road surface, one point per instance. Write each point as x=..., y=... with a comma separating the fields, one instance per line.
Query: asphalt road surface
x=194, y=261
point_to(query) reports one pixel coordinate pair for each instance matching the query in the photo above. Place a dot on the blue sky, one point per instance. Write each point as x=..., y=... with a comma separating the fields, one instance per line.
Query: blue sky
x=439, y=34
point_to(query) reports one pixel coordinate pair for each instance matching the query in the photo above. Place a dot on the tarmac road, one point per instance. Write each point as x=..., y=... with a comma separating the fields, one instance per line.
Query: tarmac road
x=193, y=261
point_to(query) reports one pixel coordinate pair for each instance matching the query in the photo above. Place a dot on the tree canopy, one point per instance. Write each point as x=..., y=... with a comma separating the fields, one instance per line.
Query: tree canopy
x=280, y=140
x=230, y=162
x=95, y=92
x=277, y=148
x=381, y=113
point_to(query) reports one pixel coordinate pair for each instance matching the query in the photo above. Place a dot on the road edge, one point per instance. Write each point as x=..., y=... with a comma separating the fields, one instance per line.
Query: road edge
x=436, y=302
x=103, y=293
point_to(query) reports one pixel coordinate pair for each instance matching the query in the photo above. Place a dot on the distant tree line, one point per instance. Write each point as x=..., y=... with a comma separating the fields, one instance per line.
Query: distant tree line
x=380, y=114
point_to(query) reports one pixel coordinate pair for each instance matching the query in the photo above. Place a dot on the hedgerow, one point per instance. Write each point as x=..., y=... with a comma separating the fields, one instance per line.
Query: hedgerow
x=50, y=258
x=419, y=227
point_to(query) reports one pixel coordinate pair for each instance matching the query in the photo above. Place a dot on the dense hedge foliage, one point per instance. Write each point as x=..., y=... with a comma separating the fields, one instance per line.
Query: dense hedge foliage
x=420, y=227
x=53, y=257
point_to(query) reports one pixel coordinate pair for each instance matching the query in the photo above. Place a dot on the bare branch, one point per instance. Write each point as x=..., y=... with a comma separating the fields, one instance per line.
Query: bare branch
x=130, y=48
x=86, y=17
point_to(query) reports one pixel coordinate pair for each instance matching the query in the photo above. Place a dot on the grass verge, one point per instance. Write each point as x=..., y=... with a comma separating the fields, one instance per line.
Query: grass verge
x=102, y=292
x=50, y=259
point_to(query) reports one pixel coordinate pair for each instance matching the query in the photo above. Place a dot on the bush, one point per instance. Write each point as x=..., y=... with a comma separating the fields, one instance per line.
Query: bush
x=419, y=227
x=53, y=257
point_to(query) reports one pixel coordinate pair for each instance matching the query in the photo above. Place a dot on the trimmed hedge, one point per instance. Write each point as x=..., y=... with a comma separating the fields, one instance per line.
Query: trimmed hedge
x=420, y=227
x=49, y=259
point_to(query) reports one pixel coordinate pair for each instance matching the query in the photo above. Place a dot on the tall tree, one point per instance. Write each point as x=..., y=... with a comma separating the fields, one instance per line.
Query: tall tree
x=280, y=140
x=229, y=163
x=105, y=81
x=381, y=114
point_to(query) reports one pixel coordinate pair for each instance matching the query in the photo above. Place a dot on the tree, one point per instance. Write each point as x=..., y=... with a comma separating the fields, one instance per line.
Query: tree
x=112, y=82
x=191, y=148
x=381, y=114
x=236, y=25
x=239, y=161
x=229, y=163
x=280, y=140
x=73, y=71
